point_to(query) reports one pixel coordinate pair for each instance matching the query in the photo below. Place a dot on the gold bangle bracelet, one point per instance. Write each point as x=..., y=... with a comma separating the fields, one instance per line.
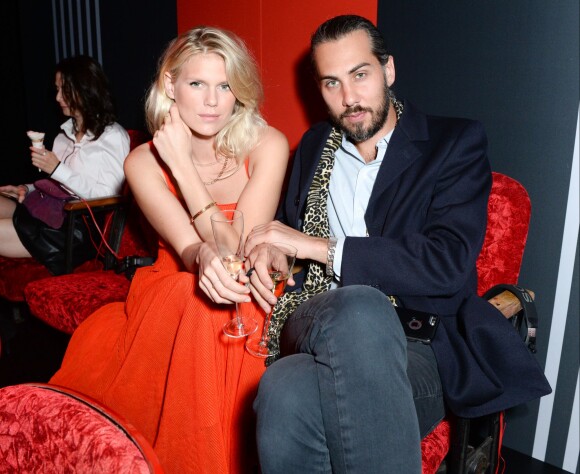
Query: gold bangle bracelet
x=202, y=210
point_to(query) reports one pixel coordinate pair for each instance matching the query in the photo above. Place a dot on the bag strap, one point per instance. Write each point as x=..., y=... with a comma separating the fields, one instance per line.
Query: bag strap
x=130, y=264
x=528, y=311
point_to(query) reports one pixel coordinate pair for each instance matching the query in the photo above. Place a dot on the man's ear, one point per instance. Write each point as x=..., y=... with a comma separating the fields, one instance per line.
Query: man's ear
x=168, y=81
x=390, y=71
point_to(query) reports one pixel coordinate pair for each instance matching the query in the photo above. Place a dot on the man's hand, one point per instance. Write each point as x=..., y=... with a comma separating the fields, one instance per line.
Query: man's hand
x=262, y=259
x=308, y=247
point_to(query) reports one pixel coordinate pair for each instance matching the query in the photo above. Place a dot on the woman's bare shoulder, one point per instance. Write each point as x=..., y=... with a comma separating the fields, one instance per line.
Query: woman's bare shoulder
x=142, y=161
x=272, y=141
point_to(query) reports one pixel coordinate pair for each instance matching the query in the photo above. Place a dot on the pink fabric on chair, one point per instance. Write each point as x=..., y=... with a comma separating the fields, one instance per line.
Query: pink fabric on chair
x=52, y=430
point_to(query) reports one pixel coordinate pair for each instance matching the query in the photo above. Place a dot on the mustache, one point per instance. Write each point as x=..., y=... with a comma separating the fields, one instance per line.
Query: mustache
x=355, y=110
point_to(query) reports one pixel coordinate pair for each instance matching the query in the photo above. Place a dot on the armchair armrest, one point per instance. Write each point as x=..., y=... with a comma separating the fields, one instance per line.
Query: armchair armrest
x=508, y=304
x=109, y=201
x=517, y=303
x=115, y=204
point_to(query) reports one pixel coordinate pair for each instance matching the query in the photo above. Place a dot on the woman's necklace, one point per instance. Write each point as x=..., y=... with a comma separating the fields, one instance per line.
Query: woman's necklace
x=220, y=174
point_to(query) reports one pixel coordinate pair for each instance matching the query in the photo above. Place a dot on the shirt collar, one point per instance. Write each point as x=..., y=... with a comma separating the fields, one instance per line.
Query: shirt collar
x=67, y=128
x=351, y=149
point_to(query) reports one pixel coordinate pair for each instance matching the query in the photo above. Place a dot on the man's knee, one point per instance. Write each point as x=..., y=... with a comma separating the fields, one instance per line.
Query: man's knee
x=288, y=388
x=364, y=313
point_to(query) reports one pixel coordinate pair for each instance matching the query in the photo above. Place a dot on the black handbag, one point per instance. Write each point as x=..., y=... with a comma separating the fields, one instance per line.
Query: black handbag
x=47, y=244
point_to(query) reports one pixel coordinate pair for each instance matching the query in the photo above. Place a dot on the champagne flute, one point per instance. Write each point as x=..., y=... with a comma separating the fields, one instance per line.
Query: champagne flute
x=228, y=231
x=281, y=258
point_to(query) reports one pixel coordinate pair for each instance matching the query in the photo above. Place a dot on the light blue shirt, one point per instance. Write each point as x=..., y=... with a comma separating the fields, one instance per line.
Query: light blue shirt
x=351, y=184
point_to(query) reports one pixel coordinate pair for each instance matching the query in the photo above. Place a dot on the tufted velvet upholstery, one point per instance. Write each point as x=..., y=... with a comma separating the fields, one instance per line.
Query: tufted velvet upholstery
x=16, y=273
x=65, y=301
x=508, y=218
x=48, y=429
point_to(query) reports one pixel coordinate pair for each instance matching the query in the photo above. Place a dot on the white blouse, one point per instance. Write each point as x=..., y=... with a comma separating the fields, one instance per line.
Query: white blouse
x=91, y=168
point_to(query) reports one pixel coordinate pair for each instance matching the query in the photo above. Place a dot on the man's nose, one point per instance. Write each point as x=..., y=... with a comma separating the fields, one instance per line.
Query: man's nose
x=349, y=95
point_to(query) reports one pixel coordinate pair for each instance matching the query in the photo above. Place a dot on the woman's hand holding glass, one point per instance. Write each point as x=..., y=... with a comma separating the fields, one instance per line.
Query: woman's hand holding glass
x=215, y=281
x=228, y=232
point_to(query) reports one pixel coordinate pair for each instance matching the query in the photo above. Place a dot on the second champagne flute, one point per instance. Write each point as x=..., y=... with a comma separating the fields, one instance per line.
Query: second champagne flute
x=228, y=232
x=281, y=258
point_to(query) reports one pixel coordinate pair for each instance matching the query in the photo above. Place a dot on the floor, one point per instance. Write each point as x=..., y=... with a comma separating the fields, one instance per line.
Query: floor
x=31, y=351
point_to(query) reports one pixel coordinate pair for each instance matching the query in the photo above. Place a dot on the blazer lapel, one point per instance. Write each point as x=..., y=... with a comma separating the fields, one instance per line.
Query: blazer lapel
x=402, y=152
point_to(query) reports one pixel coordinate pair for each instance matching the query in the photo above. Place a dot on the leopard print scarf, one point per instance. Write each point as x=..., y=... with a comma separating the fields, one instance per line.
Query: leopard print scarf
x=316, y=224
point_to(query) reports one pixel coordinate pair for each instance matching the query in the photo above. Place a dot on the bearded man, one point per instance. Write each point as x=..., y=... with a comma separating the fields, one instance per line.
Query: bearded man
x=387, y=206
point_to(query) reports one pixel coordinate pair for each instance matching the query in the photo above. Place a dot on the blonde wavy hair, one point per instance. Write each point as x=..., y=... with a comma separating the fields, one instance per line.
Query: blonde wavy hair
x=241, y=133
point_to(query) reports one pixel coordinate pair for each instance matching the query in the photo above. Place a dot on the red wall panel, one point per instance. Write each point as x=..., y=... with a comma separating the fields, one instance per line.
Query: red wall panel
x=278, y=33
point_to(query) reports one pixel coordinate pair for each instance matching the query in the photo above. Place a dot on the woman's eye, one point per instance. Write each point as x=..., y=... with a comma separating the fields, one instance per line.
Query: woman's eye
x=195, y=84
x=331, y=84
x=224, y=87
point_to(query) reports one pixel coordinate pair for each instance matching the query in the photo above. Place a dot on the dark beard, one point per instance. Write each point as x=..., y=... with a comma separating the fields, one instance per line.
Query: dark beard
x=358, y=133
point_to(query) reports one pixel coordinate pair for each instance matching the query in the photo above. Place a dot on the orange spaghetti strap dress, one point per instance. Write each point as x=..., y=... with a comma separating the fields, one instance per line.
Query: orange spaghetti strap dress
x=162, y=361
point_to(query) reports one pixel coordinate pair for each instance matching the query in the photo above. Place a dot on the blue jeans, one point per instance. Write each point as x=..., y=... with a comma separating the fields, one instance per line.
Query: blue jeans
x=349, y=395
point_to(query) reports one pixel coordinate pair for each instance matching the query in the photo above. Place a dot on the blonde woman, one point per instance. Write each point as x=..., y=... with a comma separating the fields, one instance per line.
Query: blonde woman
x=161, y=359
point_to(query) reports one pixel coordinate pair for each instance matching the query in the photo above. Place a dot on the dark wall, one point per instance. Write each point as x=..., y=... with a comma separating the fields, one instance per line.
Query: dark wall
x=131, y=36
x=514, y=66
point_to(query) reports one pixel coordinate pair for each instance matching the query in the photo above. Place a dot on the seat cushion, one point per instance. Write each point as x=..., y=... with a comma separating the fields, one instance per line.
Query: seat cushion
x=434, y=447
x=65, y=301
x=48, y=430
x=16, y=274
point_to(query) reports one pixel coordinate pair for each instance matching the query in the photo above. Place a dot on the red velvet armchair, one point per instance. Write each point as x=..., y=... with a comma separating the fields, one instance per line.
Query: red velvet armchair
x=451, y=443
x=46, y=428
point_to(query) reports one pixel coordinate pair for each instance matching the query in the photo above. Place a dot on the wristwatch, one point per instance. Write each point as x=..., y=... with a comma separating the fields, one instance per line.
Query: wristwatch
x=330, y=256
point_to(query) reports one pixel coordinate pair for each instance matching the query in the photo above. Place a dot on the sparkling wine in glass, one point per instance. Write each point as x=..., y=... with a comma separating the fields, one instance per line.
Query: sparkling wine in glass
x=228, y=231
x=281, y=258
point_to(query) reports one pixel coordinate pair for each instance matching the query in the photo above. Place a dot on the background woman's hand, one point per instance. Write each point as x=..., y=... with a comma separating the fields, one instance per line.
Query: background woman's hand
x=173, y=140
x=18, y=192
x=43, y=159
x=215, y=281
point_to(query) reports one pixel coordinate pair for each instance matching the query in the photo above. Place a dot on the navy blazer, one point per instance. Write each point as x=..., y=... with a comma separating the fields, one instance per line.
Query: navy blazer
x=426, y=222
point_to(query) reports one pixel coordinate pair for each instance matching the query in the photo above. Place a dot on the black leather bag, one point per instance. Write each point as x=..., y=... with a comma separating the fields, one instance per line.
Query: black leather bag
x=47, y=244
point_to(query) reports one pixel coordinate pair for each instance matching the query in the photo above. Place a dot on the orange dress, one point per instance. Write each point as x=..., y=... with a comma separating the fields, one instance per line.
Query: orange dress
x=162, y=361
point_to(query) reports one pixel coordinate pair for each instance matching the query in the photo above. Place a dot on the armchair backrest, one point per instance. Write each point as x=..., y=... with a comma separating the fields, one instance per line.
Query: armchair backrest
x=508, y=218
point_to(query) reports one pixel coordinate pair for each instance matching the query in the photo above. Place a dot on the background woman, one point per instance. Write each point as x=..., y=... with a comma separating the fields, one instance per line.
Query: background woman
x=87, y=156
x=161, y=359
